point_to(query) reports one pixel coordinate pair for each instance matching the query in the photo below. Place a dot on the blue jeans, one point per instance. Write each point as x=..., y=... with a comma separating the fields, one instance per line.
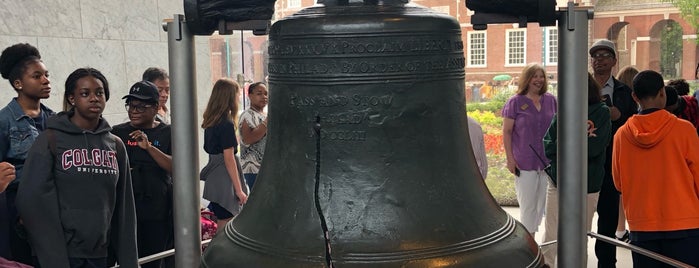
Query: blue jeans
x=250, y=179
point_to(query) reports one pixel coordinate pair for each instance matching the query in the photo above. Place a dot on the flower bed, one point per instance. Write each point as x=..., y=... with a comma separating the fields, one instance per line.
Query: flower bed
x=500, y=181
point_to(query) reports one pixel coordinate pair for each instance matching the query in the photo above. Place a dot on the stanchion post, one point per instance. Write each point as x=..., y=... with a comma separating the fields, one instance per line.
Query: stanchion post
x=185, y=152
x=572, y=129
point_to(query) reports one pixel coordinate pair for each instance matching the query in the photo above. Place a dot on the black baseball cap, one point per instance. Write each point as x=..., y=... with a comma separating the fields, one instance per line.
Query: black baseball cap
x=145, y=91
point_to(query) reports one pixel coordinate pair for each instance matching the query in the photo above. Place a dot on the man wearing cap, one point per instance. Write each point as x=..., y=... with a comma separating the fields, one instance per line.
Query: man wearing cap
x=148, y=144
x=603, y=59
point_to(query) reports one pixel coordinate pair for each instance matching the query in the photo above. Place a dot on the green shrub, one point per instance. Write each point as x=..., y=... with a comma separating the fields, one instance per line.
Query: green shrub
x=490, y=106
x=500, y=181
x=495, y=104
x=486, y=118
x=503, y=95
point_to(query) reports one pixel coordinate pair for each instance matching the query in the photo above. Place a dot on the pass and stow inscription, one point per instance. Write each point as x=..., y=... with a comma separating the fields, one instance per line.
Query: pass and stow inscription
x=348, y=123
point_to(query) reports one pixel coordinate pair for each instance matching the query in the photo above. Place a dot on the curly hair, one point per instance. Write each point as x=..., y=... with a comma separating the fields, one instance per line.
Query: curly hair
x=15, y=59
x=252, y=86
x=680, y=85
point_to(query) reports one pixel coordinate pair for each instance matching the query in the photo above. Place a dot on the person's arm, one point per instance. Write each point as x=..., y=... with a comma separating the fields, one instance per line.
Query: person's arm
x=38, y=206
x=251, y=135
x=231, y=167
x=507, y=127
x=7, y=175
x=162, y=159
x=124, y=217
x=616, y=164
x=693, y=158
x=478, y=144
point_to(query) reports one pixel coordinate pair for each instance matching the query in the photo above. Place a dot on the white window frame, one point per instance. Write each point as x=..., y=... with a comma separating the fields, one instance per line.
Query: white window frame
x=293, y=3
x=551, y=46
x=508, y=55
x=441, y=9
x=470, y=52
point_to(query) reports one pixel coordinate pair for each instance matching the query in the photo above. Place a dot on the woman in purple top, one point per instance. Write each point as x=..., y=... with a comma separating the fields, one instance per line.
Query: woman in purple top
x=527, y=116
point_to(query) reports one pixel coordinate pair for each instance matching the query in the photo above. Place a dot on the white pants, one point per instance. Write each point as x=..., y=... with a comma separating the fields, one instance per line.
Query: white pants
x=531, y=196
x=551, y=223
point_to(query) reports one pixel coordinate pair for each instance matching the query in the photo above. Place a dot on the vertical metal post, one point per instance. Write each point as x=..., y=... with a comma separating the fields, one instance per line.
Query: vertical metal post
x=241, y=75
x=185, y=152
x=228, y=57
x=572, y=129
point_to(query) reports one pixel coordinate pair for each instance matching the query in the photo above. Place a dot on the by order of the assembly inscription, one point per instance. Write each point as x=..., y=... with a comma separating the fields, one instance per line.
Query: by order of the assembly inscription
x=344, y=47
x=306, y=67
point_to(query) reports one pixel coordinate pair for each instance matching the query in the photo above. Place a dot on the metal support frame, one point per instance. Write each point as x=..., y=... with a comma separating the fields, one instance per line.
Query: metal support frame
x=572, y=129
x=640, y=250
x=258, y=27
x=185, y=155
x=632, y=248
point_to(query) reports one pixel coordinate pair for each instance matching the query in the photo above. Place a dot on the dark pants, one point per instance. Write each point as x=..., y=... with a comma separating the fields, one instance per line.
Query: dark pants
x=19, y=247
x=608, y=216
x=153, y=237
x=81, y=263
x=250, y=179
x=87, y=263
x=684, y=250
x=4, y=229
x=169, y=262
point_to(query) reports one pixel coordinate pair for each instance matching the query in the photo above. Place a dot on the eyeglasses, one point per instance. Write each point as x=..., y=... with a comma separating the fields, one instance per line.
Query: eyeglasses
x=602, y=55
x=138, y=108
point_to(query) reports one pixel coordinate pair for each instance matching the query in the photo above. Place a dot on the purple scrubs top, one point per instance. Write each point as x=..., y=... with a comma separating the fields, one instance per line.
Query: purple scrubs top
x=530, y=128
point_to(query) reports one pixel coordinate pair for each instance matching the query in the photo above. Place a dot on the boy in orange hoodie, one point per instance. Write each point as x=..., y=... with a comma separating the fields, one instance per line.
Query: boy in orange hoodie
x=655, y=165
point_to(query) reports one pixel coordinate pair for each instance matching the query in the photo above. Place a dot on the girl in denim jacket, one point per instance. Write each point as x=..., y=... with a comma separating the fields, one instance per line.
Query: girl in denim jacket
x=20, y=123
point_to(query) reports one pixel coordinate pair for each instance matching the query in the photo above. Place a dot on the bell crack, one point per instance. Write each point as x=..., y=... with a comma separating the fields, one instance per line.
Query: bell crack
x=323, y=224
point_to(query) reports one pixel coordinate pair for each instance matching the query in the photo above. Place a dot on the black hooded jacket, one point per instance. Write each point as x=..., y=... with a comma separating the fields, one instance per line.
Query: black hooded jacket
x=76, y=197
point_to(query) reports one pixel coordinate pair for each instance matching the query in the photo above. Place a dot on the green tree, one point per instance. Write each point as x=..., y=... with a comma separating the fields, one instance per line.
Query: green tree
x=689, y=9
x=670, y=50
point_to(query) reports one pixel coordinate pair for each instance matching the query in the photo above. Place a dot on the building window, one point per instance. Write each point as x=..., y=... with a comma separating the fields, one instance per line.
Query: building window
x=551, y=47
x=476, y=49
x=621, y=45
x=441, y=9
x=515, y=47
x=293, y=3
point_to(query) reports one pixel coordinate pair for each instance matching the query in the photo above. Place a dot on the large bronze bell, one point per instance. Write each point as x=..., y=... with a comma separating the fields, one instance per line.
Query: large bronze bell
x=368, y=160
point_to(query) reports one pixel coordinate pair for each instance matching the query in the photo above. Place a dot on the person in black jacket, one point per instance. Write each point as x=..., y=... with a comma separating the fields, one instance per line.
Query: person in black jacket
x=76, y=198
x=603, y=59
x=148, y=144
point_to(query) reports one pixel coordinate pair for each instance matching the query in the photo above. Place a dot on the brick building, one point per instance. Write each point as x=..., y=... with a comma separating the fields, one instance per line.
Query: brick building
x=638, y=27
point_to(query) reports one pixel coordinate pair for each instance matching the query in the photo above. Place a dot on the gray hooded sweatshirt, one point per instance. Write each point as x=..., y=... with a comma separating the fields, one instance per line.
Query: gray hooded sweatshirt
x=75, y=198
